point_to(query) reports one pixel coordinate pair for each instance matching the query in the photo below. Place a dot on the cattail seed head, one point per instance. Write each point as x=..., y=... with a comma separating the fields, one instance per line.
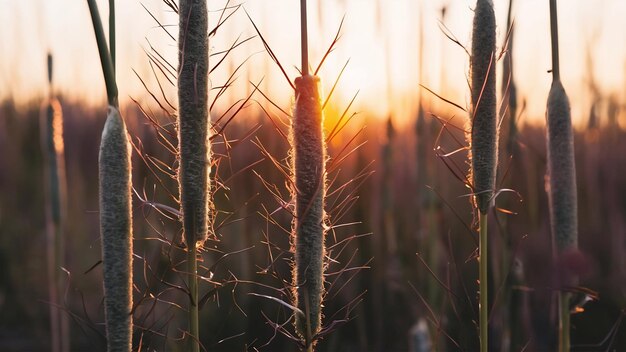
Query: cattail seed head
x=51, y=123
x=308, y=169
x=561, y=169
x=49, y=68
x=116, y=231
x=483, y=138
x=193, y=119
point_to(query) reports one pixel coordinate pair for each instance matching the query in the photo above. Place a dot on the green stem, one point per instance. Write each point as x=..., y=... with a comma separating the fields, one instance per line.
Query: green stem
x=483, y=255
x=192, y=269
x=564, y=322
x=112, y=32
x=105, y=55
x=554, y=34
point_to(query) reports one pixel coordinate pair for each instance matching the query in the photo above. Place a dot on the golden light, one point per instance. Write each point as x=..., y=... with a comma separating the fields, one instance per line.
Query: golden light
x=380, y=38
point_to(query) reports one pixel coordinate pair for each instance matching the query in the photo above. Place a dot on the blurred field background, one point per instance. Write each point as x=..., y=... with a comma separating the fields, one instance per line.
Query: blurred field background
x=403, y=216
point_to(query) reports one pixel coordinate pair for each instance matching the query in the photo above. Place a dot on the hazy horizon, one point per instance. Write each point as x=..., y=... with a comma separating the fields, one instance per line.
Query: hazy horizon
x=372, y=35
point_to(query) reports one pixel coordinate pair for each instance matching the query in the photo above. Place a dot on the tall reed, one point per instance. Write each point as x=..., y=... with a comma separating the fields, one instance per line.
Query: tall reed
x=483, y=138
x=509, y=87
x=193, y=141
x=52, y=144
x=562, y=197
x=308, y=171
x=115, y=183
x=510, y=319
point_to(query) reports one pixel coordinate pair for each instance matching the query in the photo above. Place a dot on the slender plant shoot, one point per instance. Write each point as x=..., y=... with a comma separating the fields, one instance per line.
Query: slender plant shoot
x=483, y=139
x=562, y=197
x=115, y=185
x=51, y=127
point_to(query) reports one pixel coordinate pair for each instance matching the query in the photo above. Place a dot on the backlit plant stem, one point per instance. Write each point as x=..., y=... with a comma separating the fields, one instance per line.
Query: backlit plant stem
x=115, y=184
x=562, y=197
x=484, y=140
x=51, y=126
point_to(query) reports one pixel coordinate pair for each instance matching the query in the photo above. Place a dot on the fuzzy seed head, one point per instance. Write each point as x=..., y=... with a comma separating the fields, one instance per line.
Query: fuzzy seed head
x=49, y=68
x=116, y=231
x=308, y=169
x=193, y=119
x=51, y=123
x=561, y=185
x=483, y=138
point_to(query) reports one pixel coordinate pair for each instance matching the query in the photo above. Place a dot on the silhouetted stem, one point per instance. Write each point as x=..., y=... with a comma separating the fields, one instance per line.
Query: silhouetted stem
x=105, y=56
x=564, y=322
x=554, y=34
x=304, y=41
x=112, y=32
x=192, y=268
x=484, y=305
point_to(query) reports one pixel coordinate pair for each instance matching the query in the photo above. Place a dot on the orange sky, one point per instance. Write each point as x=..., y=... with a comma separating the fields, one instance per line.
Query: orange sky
x=31, y=27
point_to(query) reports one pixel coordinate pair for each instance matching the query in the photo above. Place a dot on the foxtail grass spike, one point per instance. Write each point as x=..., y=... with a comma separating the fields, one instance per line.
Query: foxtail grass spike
x=193, y=118
x=484, y=118
x=116, y=231
x=308, y=169
x=561, y=169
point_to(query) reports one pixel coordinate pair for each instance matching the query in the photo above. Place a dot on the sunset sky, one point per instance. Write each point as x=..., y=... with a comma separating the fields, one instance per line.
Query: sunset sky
x=375, y=33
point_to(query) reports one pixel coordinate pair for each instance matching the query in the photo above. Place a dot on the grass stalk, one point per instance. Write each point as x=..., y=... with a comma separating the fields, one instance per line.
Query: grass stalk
x=193, y=139
x=192, y=269
x=564, y=322
x=304, y=39
x=554, y=36
x=511, y=334
x=562, y=197
x=509, y=88
x=483, y=279
x=112, y=32
x=115, y=185
x=56, y=195
x=105, y=57
x=483, y=139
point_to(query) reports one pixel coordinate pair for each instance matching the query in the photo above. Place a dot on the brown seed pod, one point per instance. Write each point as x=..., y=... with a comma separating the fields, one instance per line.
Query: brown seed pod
x=484, y=137
x=116, y=231
x=308, y=169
